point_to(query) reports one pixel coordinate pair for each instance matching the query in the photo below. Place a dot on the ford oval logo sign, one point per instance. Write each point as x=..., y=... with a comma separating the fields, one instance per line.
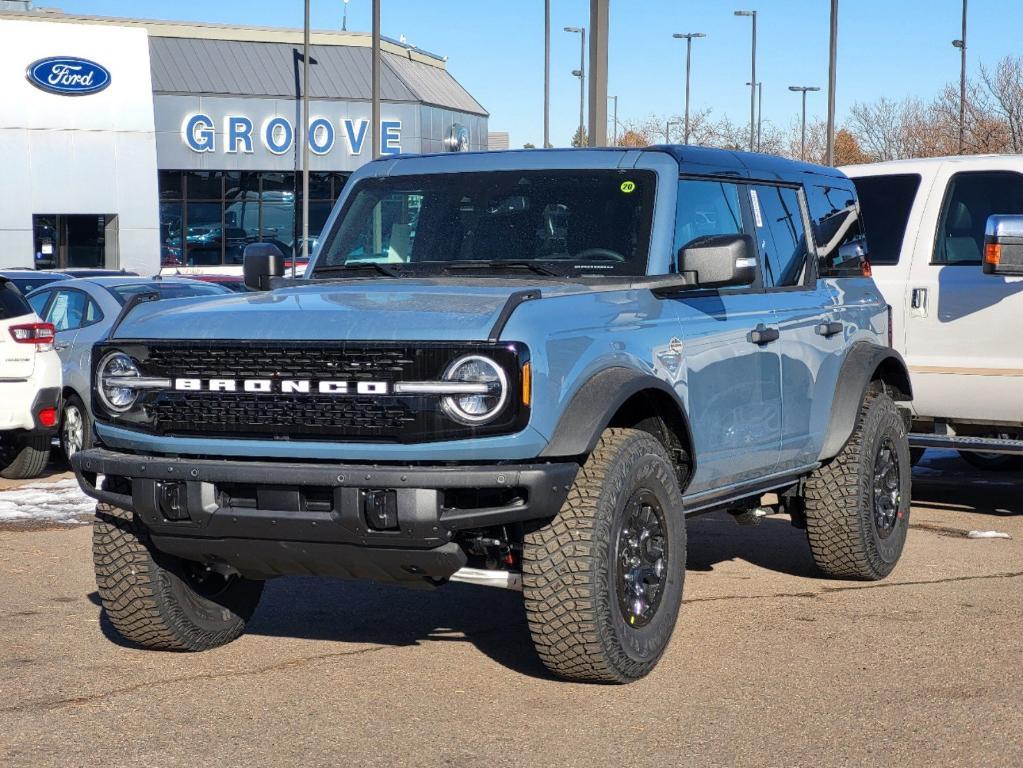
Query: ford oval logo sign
x=68, y=76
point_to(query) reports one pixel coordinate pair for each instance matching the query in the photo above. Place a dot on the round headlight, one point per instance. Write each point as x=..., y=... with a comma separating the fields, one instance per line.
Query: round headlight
x=477, y=407
x=116, y=365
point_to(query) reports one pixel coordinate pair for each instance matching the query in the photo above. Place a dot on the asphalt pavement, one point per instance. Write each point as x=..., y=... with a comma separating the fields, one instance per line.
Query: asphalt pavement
x=771, y=665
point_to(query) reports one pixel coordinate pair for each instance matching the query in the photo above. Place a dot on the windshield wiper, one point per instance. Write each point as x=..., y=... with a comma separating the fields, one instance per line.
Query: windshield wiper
x=366, y=266
x=529, y=266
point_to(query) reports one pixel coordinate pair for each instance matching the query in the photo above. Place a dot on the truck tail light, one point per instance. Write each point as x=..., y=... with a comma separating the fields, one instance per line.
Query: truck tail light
x=40, y=334
x=891, y=336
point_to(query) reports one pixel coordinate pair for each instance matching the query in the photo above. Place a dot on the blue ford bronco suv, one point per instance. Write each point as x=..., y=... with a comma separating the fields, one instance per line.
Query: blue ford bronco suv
x=521, y=369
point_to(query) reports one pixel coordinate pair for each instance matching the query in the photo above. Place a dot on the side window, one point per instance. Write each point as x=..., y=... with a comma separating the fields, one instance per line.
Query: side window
x=781, y=232
x=837, y=226
x=972, y=197
x=705, y=208
x=38, y=302
x=68, y=310
x=12, y=303
x=885, y=203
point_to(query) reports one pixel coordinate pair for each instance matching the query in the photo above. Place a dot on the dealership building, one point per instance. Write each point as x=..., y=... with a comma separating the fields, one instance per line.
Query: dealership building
x=131, y=144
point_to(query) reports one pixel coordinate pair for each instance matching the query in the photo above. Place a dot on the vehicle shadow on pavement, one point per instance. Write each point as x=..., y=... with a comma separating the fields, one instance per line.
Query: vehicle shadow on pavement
x=773, y=544
x=944, y=482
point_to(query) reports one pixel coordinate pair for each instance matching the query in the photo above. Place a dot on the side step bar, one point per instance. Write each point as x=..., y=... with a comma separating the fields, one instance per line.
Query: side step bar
x=960, y=443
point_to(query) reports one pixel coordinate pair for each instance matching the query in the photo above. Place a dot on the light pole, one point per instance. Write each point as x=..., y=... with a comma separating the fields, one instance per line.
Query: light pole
x=832, y=66
x=961, y=45
x=375, y=82
x=546, y=74
x=760, y=109
x=581, y=74
x=688, y=37
x=614, y=118
x=753, y=79
x=667, y=130
x=304, y=132
x=804, y=89
x=344, y=18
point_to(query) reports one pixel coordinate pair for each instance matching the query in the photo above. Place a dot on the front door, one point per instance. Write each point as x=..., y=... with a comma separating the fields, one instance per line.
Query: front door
x=733, y=384
x=964, y=330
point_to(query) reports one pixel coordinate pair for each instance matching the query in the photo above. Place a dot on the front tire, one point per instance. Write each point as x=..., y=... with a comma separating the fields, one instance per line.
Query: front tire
x=75, y=427
x=162, y=602
x=24, y=458
x=602, y=582
x=857, y=504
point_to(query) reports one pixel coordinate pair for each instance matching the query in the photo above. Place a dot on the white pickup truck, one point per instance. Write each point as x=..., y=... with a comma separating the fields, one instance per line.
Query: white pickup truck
x=945, y=239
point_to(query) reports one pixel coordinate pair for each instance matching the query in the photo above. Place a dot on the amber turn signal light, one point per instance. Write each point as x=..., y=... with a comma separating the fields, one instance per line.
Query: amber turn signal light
x=992, y=253
x=527, y=384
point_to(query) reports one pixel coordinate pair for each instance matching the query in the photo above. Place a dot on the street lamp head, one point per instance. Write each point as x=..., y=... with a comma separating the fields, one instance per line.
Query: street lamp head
x=745, y=13
x=573, y=29
x=577, y=73
x=958, y=44
x=688, y=35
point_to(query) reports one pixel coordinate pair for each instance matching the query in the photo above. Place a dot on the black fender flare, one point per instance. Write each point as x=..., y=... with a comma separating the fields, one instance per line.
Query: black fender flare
x=596, y=402
x=864, y=363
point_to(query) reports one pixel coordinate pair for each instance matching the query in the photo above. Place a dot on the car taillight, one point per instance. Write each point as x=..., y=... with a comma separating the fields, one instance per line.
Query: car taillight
x=891, y=337
x=40, y=334
x=48, y=417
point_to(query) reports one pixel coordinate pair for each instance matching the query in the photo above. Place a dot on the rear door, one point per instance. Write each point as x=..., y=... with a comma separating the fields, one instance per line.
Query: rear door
x=17, y=361
x=733, y=384
x=964, y=341
x=69, y=310
x=810, y=327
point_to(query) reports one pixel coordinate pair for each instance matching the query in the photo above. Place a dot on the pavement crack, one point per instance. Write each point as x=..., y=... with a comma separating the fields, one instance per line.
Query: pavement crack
x=878, y=585
x=74, y=701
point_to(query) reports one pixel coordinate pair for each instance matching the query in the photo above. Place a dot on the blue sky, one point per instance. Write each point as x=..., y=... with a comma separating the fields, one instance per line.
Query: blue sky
x=894, y=48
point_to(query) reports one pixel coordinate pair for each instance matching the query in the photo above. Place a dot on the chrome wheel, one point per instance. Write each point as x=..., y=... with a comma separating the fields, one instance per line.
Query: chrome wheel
x=642, y=559
x=887, y=493
x=73, y=432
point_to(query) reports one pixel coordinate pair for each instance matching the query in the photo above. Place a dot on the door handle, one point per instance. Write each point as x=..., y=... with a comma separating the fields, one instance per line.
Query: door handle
x=762, y=335
x=60, y=346
x=827, y=330
x=918, y=298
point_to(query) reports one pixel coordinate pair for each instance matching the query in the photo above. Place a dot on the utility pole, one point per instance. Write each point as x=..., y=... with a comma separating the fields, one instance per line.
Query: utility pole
x=375, y=118
x=961, y=45
x=581, y=74
x=547, y=74
x=753, y=79
x=804, y=89
x=599, y=11
x=760, y=109
x=832, y=66
x=305, y=143
x=688, y=37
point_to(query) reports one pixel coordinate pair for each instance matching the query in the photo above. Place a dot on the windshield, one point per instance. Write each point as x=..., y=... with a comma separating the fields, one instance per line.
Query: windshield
x=166, y=290
x=552, y=222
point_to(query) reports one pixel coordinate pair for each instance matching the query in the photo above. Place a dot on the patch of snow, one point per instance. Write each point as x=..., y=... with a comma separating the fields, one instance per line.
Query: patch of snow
x=58, y=502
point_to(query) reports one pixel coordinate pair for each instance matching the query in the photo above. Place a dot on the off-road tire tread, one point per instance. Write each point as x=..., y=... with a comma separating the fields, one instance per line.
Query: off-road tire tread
x=135, y=589
x=29, y=461
x=832, y=500
x=561, y=600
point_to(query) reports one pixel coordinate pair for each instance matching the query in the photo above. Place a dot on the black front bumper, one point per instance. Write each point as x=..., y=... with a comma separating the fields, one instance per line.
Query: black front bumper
x=272, y=518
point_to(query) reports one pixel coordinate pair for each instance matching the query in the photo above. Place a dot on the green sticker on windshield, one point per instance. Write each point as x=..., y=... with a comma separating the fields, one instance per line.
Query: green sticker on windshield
x=628, y=187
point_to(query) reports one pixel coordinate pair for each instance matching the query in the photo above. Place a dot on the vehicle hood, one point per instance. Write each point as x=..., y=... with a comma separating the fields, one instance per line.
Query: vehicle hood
x=405, y=309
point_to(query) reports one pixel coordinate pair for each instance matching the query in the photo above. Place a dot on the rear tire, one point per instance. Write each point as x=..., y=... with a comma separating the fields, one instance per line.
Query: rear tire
x=24, y=458
x=857, y=505
x=163, y=602
x=602, y=582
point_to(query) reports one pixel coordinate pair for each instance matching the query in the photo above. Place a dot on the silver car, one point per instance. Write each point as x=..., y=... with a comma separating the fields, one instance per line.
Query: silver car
x=82, y=312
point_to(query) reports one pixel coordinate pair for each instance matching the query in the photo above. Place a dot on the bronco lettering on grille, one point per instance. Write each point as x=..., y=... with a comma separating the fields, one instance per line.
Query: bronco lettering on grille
x=284, y=386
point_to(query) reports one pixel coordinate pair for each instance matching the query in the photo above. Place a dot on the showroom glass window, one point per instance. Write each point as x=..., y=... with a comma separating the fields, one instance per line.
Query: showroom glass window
x=208, y=217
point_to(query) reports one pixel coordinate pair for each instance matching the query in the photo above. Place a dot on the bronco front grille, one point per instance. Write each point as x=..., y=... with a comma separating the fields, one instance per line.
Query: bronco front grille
x=315, y=416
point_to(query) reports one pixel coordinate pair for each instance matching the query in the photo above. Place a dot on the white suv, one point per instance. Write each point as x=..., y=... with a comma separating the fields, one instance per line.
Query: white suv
x=30, y=386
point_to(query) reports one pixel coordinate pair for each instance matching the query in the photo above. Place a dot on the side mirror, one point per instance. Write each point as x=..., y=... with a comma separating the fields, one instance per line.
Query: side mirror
x=1003, y=245
x=720, y=261
x=261, y=261
x=854, y=250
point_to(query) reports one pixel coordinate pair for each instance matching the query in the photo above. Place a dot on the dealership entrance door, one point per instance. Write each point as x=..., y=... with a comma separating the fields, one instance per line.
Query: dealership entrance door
x=65, y=241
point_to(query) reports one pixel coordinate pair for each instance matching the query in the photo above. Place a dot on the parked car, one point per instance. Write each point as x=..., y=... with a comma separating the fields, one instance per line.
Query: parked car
x=234, y=283
x=520, y=369
x=29, y=386
x=82, y=311
x=960, y=330
x=27, y=280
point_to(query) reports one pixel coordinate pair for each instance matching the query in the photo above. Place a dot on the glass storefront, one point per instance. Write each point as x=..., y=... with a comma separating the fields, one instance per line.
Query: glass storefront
x=208, y=217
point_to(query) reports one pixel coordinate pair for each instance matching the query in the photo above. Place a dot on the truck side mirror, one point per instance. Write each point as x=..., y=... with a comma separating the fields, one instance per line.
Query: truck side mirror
x=1003, y=245
x=261, y=261
x=720, y=261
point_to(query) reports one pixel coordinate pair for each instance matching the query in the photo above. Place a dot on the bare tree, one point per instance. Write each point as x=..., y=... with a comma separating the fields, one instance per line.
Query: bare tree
x=1004, y=84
